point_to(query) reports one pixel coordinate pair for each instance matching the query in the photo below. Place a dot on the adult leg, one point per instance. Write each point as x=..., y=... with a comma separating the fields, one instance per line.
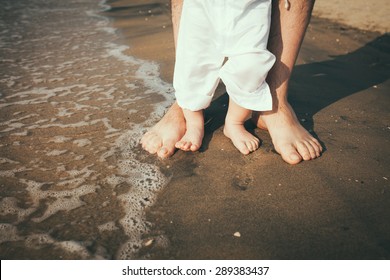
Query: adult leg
x=161, y=138
x=288, y=28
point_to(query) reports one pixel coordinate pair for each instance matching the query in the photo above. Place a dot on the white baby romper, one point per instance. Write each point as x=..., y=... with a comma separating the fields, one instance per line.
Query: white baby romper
x=209, y=32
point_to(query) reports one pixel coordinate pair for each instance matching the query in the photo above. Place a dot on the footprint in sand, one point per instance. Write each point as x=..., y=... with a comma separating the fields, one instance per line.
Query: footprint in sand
x=242, y=182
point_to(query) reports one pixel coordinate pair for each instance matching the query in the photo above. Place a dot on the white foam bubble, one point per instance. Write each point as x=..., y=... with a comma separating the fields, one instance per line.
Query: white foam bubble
x=8, y=233
x=109, y=226
x=109, y=30
x=79, y=157
x=12, y=172
x=82, y=142
x=65, y=200
x=36, y=241
x=7, y=160
x=60, y=139
x=64, y=112
x=75, y=247
x=23, y=133
x=56, y=152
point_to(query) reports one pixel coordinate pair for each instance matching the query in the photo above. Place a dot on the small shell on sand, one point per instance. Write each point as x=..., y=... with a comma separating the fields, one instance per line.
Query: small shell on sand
x=237, y=234
x=148, y=242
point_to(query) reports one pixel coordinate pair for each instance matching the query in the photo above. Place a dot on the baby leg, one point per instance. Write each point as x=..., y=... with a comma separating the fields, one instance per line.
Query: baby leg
x=234, y=129
x=192, y=139
x=196, y=73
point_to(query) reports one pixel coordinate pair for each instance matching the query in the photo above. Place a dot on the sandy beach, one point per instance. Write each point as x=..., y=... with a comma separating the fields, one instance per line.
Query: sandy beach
x=76, y=96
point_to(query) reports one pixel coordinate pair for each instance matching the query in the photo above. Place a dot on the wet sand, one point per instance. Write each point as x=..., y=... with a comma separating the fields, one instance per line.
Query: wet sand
x=76, y=185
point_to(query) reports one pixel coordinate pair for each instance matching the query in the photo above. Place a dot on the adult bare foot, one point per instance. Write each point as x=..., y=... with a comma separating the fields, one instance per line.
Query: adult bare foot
x=161, y=138
x=290, y=139
x=192, y=139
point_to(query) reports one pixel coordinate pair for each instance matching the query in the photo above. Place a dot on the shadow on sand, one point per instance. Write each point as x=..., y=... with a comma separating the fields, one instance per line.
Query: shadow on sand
x=315, y=86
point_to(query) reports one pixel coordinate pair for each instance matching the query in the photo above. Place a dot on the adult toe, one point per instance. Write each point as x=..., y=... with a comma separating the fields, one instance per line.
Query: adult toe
x=311, y=150
x=290, y=154
x=194, y=147
x=317, y=146
x=167, y=149
x=153, y=144
x=303, y=151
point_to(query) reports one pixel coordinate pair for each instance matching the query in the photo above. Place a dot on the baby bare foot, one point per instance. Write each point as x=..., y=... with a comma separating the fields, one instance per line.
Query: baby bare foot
x=192, y=139
x=234, y=129
x=291, y=140
x=161, y=138
x=241, y=138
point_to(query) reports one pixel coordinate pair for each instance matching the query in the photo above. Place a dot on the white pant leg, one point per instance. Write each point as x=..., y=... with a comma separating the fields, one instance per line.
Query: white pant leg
x=244, y=76
x=198, y=60
x=249, y=61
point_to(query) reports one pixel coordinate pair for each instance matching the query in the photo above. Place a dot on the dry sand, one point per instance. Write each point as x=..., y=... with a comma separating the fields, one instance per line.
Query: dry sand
x=363, y=14
x=336, y=207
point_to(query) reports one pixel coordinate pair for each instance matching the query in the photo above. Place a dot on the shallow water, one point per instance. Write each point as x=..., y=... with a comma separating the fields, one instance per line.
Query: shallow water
x=73, y=107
